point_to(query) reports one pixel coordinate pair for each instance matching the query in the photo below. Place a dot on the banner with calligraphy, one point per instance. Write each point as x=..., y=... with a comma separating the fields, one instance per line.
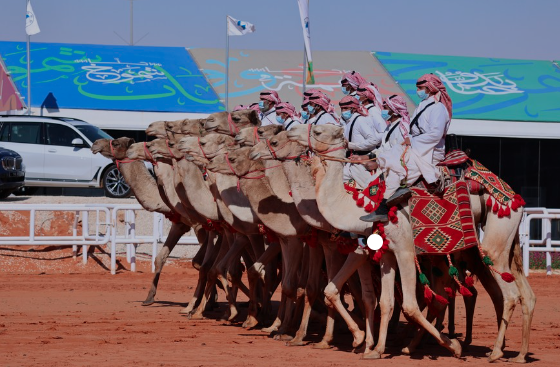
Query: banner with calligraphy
x=484, y=88
x=252, y=71
x=99, y=77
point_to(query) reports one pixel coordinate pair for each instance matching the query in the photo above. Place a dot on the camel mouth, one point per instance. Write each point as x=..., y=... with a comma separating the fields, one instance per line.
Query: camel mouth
x=239, y=139
x=95, y=150
x=254, y=156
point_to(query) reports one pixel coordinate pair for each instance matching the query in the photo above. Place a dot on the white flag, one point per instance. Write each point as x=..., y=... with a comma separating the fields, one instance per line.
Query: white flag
x=31, y=25
x=238, y=27
x=304, y=15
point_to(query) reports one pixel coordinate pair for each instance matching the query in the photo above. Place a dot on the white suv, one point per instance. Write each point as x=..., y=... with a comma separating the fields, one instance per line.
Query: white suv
x=56, y=152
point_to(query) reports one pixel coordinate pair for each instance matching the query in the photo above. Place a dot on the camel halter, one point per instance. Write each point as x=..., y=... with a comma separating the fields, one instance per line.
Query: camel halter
x=213, y=153
x=272, y=151
x=171, y=152
x=118, y=161
x=324, y=155
x=256, y=135
x=245, y=176
x=233, y=128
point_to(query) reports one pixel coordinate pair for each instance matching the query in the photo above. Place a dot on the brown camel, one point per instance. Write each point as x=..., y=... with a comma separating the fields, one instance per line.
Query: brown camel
x=500, y=246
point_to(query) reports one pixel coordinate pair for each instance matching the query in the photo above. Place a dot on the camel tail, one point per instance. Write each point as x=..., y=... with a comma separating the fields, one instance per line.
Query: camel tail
x=517, y=259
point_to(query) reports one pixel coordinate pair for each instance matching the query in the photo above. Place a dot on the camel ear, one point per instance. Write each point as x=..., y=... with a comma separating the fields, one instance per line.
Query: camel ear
x=254, y=118
x=131, y=141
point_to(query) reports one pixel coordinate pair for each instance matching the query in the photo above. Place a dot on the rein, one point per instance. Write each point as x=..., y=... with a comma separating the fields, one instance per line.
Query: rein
x=324, y=155
x=233, y=128
x=149, y=155
x=171, y=152
x=118, y=161
x=246, y=175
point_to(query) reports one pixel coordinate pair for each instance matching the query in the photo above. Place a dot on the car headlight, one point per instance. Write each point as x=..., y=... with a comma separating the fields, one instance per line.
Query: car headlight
x=9, y=163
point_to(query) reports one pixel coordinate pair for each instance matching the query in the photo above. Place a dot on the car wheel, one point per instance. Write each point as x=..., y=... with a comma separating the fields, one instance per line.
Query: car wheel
x=26, y=191
x=114, y=184
x=5, y=193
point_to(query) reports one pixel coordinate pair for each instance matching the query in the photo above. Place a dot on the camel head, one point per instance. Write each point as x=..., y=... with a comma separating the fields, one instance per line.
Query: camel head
x=163, y=149
x=230, y=123
x=193, y=127
x=277, y=147
x=136, y=151
x=235, y=162
x=207, y=146
x=164, y=129
x=321, y=137
x=112, y=148
x=250, y=136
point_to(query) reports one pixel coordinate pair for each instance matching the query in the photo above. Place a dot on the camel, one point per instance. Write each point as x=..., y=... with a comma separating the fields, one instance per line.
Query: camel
x=502, y=244
x=148, y=194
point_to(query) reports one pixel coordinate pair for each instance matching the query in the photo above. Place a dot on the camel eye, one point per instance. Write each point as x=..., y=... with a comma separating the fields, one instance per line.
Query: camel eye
x=232, y=160
x=236, y=119
x=274, y=143
x=203, y=143
x=317, y=133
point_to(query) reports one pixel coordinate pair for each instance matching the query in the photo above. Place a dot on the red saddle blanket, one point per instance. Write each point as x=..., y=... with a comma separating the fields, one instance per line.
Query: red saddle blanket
x=442, y=224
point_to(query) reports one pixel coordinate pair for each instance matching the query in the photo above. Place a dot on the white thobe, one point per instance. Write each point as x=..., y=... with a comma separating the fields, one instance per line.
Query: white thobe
x=290, y=123
x=269, y=117
x=378, y=123
x=323, y=118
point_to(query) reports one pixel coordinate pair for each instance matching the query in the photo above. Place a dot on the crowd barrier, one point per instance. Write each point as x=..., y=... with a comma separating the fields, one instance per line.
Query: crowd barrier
x=105, y=230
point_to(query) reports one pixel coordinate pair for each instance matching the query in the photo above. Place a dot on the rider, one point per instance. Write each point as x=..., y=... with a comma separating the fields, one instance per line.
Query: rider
x=287, y=116
x=321, y=110
x=350, y=82
x=419, y=152
x=370, y=98
x=267, y=105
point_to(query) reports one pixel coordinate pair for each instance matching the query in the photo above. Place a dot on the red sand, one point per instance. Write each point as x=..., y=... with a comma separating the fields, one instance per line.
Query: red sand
x=88, y=317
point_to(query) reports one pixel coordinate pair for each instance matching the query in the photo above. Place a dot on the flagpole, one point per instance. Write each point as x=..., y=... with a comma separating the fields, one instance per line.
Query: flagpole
x=304, y=68
x=227, y=64
x=28, y=77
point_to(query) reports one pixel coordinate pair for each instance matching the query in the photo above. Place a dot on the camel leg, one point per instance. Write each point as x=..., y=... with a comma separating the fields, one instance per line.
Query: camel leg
x=199, y=256
x=316, y=256
x=175, y=233
x=405, y=260
x=470, y=303
x=369, y=300
x=450, y=317
x=388, y=265
x=214, y=243
x=255, y=274
x=332, y=293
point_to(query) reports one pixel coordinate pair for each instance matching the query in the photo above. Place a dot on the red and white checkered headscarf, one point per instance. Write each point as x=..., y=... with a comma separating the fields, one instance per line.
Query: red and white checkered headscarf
x=435, y=85
x=397, y=104
x=353, y=78
x=239, y=107
x=271, y=95
x=321, y=99
x=351, y=102
x=371, y=92
x=287, y=107
x=254, y=107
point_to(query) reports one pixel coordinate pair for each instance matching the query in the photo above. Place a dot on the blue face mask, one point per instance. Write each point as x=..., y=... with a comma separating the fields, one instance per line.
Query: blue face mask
x=385, y=115
x=311, y=109
x=422, y=94
x=346, y=115
x=357, y=97
x=280, y=119
x=261, y=105
x=345, y=91
x=304, y=115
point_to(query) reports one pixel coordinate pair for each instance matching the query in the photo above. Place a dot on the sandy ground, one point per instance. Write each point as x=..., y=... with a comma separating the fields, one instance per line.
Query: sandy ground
x=63, y=313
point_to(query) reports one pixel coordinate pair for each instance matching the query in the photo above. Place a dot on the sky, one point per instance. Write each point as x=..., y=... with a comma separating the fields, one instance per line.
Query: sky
x=523, y=29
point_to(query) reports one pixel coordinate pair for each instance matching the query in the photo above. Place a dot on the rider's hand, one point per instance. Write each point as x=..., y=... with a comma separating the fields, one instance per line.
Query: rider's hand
x=406, y=141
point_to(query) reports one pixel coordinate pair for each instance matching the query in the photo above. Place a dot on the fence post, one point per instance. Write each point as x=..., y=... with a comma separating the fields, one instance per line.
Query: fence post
x=525, y=240
x=113, y=230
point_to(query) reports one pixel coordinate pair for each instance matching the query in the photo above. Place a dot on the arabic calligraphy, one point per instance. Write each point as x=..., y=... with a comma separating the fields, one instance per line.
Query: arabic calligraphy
x=119, y=72
x=477, y=83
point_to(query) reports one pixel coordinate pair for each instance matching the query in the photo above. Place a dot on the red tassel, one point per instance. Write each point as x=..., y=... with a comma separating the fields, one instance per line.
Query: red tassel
x=428, y=294
x=360, y=202
x=507, y=211
x=489, y=202
x=355, y=195
x=290, y=193
x=496, y=207
x=469, y=281
x=368, y=208
x=441, y=300
x=507, y=277
x=377, y=256
x=450, y=292
x=465, y=291
x=501, y=213
x=514, y=204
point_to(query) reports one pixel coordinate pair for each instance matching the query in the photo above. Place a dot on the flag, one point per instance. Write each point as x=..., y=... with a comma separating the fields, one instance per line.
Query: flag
x=238, y=27
x=31, y=25
x=304, y=15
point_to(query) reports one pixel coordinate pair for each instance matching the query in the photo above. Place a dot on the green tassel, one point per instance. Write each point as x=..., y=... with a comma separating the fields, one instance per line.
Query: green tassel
x=437, y=272
x=486, y=260
x=423, y=279
x=453, y=272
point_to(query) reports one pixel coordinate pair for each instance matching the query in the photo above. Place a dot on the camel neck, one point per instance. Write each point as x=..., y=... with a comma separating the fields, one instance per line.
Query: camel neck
x=197, y=190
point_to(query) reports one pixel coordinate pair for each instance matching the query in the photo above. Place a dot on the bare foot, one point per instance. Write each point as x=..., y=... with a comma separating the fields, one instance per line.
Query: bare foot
x=196, y=316
x=296, y=342
x=270, y=329
x=283, y=337
x=359, y=337
x=322, y=345
x=251, y=322
x=518, y=359
x=372, y=355
x=495, y=355
x=148, y=302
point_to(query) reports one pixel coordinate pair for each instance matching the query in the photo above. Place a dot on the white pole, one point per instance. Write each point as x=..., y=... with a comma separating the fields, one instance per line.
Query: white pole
x=28, y=76
x=304, y=68
x=132, y=22
x=227, y=64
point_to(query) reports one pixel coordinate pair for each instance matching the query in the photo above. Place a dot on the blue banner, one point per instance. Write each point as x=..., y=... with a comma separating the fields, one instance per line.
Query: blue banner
x=100, y=77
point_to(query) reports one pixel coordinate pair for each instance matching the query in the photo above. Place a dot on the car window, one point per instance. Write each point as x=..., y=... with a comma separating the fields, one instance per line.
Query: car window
x=93, y=132
x=25, y=132
x=4, y=134
x=60, y=135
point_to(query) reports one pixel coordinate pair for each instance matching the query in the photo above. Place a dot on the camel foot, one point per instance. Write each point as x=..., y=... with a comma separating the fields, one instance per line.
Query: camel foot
x=372, y=355
x=455, y=348
x=495, y=355
x=407, y=350
x=296, y=342
x=359, y=337
x=233, y=314
x=196, y=316
x=467, y=341
x=270, y=329
x=322, y=345
x=148, y=302
x=251, y=322
x=518, y=359
x=283, y=337
x=186, y=311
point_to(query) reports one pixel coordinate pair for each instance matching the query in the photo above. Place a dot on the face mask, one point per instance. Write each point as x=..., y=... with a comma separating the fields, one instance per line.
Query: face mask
x=385, y=115
x=422, y=94
x=346, y=115
x=311, y=109
x=280, y=119
x=261, y=106
x=357, y=97
x=304, y=115
x=345, y=91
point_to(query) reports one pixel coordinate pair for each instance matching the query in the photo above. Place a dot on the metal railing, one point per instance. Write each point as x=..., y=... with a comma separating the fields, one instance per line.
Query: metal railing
x=543, y=244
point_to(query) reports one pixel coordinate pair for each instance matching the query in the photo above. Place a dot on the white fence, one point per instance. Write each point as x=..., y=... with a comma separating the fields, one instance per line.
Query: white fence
x=105, y=230
x=545, y=243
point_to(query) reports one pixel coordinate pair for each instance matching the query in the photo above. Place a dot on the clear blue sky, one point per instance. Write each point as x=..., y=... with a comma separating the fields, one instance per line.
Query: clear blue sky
x=526, y=29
